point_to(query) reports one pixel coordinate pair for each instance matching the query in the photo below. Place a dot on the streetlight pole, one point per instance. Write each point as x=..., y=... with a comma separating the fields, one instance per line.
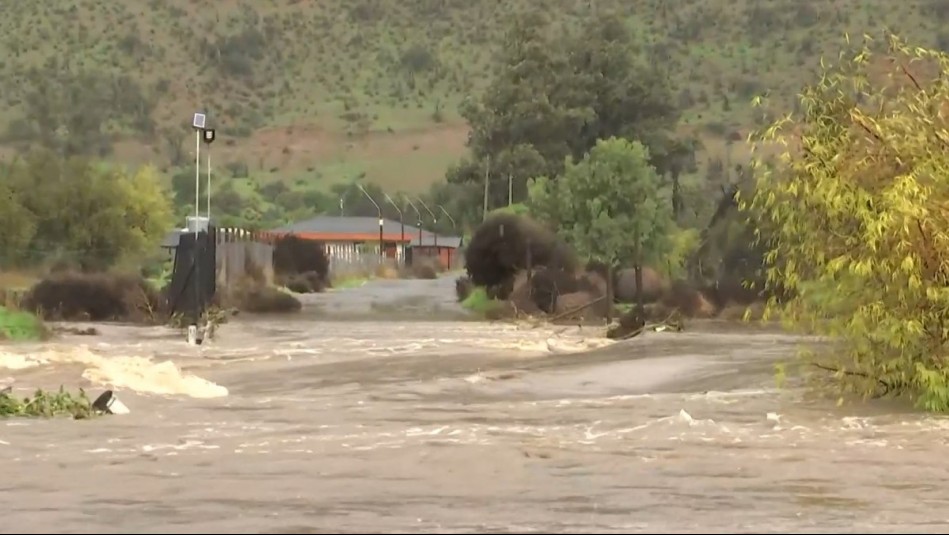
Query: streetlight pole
x=419, y=215
x=450, y=218
x=198, y=123
x=434, y=221
x=381, y=220
x=197, y=172
x=454, y=227
x=401, y=224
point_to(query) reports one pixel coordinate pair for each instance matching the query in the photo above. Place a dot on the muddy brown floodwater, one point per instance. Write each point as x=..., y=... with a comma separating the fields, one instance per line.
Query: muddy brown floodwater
x=383, y=409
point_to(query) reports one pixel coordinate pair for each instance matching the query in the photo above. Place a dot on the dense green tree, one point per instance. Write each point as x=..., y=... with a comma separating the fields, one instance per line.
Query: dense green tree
x=227, y=202
x=612, y=206
x=182, y=186
x=554, y=93
x=857, y=210
x=81, y=212
x=463, y=202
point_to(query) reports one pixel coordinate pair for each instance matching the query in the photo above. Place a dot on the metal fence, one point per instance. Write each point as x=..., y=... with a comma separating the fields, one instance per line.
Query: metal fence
x=348, y=259
x=243, y=255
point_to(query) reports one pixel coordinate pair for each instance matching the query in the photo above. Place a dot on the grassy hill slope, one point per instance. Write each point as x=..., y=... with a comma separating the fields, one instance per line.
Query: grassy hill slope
x=327, y=90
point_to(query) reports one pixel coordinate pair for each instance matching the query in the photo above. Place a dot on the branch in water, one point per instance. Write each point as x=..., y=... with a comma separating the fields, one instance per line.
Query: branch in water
x=887, y=387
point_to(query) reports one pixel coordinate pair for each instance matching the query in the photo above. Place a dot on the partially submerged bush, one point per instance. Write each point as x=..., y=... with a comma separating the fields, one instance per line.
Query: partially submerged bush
x=47, y=405
x=479, y=302
x=18, y=325
x=548, y=284
x=425, y=268
x=505, y=244
x=293, y=255
x=304, y=283
x=74, y=296
x=688, y=301
x=386, y=271
x=580, y=306
x=463, y=287
x=264, y=299
x=544, y=292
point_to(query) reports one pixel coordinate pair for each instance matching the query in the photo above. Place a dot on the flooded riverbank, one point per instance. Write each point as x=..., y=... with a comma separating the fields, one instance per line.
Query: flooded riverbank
x=384, y=409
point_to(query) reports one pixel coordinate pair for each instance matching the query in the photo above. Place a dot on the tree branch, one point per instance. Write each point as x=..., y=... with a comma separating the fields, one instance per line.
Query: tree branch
x=911, y=77
x=887, y=387
x=920, y=88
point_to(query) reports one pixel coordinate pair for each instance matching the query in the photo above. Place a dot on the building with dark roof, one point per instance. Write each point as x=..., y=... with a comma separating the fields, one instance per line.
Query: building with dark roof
x=346, y=237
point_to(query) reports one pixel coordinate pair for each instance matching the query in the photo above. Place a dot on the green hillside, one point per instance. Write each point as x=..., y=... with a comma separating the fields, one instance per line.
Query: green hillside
x=325, y=90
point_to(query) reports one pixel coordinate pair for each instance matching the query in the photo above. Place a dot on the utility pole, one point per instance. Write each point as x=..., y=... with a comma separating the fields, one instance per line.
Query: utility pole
x=510, y=189
x=487, y=173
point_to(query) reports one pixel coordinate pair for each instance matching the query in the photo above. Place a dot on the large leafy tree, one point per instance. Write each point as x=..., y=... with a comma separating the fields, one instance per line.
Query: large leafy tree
x=611, y=206
x=860, y=229
x=81, y=212
x=554, y=93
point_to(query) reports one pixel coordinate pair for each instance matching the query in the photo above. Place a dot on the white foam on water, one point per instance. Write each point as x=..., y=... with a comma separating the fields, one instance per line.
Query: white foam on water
x=476, y=378
x=188, y=444
x=134, y=373
x=856, y=422
x=12, y=361
x=560, y=346
x=714, y=396
x=543, y=345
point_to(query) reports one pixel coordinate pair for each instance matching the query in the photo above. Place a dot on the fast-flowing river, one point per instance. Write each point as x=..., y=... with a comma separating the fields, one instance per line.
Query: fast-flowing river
x=384, y=409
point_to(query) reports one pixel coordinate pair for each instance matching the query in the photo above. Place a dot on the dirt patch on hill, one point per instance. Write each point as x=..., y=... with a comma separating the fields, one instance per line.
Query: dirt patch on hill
x=411, y=158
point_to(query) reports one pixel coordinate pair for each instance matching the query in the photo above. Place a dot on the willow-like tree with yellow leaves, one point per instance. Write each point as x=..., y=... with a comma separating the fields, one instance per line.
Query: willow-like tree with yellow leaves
x=857, y=216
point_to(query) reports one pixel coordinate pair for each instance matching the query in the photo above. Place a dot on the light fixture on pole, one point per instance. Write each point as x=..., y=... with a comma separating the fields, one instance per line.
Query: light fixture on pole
x=198, y=123
x=454, y=227
x=419, y=215
x=208, y=136
x=450, y=218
